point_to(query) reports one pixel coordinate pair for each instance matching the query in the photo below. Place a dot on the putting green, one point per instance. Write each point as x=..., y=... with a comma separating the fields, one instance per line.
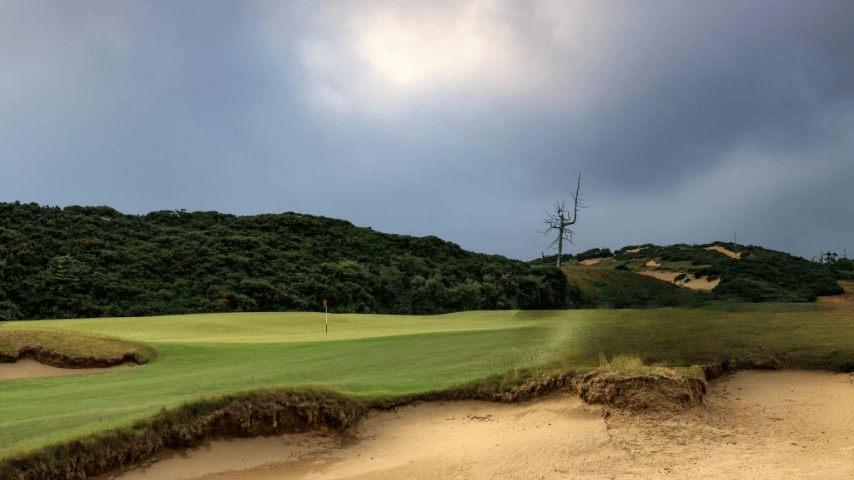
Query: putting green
x=288, y=327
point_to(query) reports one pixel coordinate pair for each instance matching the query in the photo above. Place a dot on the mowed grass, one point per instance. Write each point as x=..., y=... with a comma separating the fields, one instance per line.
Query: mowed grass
x=286, y=327
x=377, y=356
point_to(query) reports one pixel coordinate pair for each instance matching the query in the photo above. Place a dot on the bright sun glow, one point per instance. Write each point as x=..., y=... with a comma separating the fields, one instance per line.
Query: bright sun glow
x=413, y=52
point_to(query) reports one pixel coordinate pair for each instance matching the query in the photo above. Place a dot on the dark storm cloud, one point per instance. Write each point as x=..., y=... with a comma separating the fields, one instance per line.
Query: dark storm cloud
x=463, y=120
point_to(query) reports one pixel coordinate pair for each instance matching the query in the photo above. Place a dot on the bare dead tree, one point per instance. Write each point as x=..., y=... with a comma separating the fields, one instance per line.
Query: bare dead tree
x=559, y=220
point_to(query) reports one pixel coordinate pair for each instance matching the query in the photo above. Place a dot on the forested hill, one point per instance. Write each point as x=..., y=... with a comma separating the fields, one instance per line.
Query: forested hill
x=95, y=261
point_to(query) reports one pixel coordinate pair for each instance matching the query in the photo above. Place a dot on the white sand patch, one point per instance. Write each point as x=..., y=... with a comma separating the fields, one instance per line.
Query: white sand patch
x=693, y=283
x=725, y=251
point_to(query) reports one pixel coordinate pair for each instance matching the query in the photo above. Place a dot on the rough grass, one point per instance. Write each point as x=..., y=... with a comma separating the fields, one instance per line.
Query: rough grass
x=72, y=343
x=371, y=357
x=603, y=285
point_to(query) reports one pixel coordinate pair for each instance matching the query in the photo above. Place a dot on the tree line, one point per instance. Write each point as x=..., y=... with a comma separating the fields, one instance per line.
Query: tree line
x=83, y=262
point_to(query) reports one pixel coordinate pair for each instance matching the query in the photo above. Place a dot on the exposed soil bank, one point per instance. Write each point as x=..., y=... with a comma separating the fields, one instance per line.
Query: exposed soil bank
x=752, y=424
x=58, y=359
x=26, y=368
x=272, y=415
x=465, y=439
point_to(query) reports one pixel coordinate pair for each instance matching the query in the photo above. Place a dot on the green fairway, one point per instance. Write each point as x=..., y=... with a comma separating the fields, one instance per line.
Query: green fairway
x=370, y=355
x=290, y=327
x=377, y=356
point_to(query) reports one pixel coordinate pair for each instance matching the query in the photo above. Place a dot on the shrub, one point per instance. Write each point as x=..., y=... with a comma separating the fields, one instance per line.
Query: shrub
x=748, y=289
x=594, y=253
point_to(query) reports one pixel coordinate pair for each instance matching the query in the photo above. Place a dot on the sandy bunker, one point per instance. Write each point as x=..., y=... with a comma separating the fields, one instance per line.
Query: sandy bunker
x=27, y=367
x=753, y=424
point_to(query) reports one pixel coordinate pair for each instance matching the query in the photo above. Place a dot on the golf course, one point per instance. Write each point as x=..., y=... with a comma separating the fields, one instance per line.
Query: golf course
x=191, y=365
x=127, y=339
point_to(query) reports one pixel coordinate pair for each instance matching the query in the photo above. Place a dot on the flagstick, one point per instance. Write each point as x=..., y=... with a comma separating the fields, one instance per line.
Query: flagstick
x=327, y=320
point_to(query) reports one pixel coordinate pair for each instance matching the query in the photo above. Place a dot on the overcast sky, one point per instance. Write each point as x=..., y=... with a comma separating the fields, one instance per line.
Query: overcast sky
x=687, y=121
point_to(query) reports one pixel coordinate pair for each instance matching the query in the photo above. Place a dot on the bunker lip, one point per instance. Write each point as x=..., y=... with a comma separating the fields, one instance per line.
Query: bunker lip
x=275, y=414
x=60, y=359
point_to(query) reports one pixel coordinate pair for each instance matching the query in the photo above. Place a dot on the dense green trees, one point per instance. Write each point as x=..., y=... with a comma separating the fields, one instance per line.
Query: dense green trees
x=95, y=261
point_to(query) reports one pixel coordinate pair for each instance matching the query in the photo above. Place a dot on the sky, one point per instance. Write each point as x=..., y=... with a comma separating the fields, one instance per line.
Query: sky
x=686, y=122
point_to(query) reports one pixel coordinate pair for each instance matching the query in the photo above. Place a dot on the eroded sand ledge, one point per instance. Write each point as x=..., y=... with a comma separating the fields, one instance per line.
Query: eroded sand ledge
x=28, y=368
x=771, y=424
x=59, y=359
x=274, y=415
x=752, y=424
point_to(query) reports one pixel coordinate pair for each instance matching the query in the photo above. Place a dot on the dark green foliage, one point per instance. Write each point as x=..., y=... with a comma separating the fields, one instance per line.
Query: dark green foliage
x=622, y=288
x=842, y=268
x=681, y=252
x=843, y=264
x=759, y=275
x=565, y=259
x=762, y=275
x=594, y=253
x=96, y=262
x=9, y=311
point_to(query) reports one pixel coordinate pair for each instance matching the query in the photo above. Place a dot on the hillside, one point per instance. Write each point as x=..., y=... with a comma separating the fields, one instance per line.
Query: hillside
x=77, y=262
x=640, y=276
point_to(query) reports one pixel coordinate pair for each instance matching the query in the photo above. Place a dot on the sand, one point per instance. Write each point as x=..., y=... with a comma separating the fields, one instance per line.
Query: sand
x=838, y=304
x=725, y=251
x=753, y=424
x=26, y=367
x=702, y=283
